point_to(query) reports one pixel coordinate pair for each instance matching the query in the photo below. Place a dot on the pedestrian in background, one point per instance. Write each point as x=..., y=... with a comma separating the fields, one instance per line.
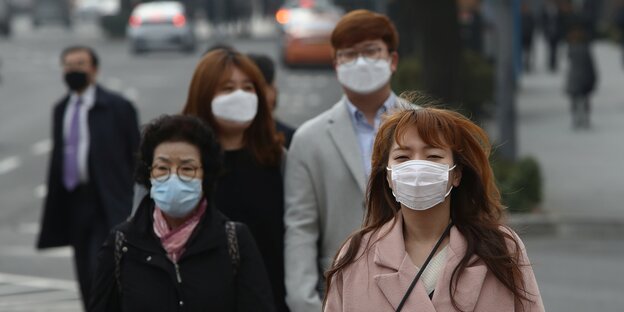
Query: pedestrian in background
x=553, y=26
x=528, y=27
x=471, y=26
x=433, y=238
x=267, y=68
x=228, y=92
x=95, y=135
x=581, y=77
x=619, y=23
x=178, y=252
x=329, y=157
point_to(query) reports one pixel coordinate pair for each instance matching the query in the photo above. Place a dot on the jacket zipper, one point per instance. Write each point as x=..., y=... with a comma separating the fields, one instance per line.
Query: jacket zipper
x=177, y=271
x=175, y=265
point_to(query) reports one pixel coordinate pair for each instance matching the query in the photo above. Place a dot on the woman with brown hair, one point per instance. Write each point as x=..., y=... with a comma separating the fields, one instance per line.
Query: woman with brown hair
x=227, y=91
x=432, y=238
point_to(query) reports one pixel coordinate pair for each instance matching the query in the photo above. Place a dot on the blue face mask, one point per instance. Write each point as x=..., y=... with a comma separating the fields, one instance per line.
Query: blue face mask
x=176, y=198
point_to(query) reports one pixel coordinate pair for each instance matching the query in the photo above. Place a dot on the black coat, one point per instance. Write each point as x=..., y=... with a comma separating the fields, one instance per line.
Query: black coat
x=149, y=281
x=113, y=141
x=261, y=208
x=581, y=79
x=286, y=130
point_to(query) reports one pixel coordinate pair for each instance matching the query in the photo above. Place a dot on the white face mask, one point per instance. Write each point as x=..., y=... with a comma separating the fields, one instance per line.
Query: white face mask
x=420, y=184
x=364, y=76
x=238, y=106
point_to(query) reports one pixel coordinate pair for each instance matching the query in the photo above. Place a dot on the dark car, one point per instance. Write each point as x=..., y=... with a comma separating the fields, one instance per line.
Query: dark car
x=51, y=11
x=21, y=6
x=5, y=18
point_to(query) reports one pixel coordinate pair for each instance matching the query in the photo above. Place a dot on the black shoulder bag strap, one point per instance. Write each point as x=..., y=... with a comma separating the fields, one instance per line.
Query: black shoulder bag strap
x=232, y=239
x=422, y=269
x=119, y=241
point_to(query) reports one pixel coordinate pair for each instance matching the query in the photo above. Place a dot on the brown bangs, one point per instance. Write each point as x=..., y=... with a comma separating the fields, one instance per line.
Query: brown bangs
x=433, y=130
x=227, y=67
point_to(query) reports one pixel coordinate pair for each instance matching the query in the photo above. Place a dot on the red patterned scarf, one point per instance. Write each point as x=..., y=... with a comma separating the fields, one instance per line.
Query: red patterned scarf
x=174, y=241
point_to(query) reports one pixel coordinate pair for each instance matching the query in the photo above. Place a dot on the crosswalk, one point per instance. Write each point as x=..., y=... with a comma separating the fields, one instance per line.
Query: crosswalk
x=35, y=294
x=24, y=288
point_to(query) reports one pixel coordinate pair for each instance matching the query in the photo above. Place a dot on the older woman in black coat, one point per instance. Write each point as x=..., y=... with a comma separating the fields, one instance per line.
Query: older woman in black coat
x=178, y=253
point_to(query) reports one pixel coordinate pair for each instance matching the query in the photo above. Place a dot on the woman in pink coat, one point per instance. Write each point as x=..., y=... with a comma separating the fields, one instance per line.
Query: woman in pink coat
x=432, y=203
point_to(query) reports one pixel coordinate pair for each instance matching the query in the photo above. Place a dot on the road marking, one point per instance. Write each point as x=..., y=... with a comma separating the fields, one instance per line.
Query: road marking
x=9, y=164
x=314, y=100
x=42, y=147
x=321, y=81
x=203, y=30
x=114, y=84
x=38, y=282
x=28, y=228
x=30, y=252
x=41, y=191
x=132, y=94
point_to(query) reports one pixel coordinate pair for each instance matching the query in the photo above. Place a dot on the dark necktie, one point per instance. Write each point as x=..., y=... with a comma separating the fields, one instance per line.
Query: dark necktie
x=71, y=173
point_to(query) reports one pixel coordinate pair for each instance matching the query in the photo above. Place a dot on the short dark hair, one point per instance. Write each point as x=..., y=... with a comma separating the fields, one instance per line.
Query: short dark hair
x=179, y=128
x=361, y=25
x=95, y=60
x=266, y=66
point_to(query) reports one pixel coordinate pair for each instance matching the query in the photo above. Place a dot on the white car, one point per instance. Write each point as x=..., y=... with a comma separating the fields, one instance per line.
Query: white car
x=160, y=25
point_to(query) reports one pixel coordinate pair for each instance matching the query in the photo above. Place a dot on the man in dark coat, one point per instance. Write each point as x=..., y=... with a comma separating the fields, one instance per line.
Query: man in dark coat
x=553, y=26
x=95, y=136
x=582, y=76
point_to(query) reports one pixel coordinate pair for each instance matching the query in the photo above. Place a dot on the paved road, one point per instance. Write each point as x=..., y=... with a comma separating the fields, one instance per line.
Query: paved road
x=31, y=82
x=577, y=273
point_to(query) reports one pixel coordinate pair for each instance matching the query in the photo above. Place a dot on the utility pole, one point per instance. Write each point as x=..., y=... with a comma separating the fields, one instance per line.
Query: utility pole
x=505, y=80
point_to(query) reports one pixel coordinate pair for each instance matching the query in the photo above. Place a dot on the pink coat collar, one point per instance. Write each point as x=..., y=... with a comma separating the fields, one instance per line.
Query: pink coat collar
x=389, y=252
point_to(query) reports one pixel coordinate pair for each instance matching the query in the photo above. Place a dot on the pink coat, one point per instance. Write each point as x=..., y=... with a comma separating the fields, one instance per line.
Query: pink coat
x=377, y=281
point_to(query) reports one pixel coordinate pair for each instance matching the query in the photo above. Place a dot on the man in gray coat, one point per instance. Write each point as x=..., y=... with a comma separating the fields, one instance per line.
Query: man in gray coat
x=329, y=159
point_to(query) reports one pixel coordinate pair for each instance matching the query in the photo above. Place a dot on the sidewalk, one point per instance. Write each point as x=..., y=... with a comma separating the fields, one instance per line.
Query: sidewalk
x=582, y=170
x=35, y=294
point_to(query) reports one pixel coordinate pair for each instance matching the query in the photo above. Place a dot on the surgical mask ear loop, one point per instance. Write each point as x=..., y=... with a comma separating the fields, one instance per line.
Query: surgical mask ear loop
x=449, y=191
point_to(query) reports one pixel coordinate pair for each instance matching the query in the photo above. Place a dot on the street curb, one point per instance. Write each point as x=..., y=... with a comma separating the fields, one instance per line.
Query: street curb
x=542, y=224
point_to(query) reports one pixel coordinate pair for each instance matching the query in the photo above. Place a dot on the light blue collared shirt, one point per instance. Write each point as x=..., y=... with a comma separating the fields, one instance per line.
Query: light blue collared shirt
x=366, y=132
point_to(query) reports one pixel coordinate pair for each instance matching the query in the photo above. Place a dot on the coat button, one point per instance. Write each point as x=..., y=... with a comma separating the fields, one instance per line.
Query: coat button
x=124, y=249
x=149, y=258
x=181, y=303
